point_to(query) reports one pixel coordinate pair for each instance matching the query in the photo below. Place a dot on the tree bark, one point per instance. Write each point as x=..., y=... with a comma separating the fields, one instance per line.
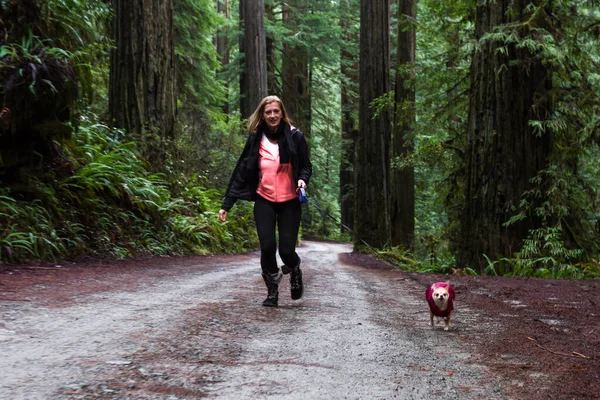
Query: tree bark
x=371, y=220
x=508, y=89
x=295, y=69
x=253, y=47
x=222, y=48
x=272, y=86
x=402, y=179
x=142, y=97
x=349, y=106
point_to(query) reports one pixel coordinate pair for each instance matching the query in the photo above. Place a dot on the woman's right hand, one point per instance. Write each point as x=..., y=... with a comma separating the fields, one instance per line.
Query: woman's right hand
x=222, y=215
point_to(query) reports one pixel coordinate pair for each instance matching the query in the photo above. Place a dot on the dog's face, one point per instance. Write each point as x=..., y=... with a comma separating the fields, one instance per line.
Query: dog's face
x=440, y=297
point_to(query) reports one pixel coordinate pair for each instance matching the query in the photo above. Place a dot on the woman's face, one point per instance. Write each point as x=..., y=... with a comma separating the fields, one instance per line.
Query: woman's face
x=272, y=115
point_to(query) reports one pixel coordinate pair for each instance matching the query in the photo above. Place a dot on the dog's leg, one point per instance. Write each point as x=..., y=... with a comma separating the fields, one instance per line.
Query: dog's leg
x=447, y=323
x=431, y=316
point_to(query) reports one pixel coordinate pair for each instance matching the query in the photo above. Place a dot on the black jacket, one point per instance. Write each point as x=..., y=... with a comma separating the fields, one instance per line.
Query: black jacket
x=244, y=180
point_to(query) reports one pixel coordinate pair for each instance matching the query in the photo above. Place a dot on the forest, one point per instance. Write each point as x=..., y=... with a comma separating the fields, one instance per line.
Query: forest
x=452, y=136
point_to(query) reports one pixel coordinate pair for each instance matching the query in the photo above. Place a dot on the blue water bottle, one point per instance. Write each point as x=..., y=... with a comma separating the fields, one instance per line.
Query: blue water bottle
x=302, y=195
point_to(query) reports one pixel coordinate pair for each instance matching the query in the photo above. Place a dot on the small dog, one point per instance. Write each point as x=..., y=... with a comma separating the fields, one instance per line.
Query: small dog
x=440, y=297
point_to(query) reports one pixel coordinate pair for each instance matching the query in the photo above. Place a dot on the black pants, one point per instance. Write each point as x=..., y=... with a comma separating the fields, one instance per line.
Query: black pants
x=287, y=217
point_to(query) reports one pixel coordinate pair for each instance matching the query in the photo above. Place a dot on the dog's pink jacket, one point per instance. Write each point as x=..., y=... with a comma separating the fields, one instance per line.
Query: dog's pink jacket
x=433, y=307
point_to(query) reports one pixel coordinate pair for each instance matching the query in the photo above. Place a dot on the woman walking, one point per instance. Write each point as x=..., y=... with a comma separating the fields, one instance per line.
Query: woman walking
x=274, y=165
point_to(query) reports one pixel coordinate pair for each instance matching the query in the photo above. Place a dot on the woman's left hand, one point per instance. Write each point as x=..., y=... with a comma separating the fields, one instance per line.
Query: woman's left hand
x=301, y=184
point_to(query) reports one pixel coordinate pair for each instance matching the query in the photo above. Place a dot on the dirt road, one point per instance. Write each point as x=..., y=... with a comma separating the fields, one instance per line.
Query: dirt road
x=187, y=328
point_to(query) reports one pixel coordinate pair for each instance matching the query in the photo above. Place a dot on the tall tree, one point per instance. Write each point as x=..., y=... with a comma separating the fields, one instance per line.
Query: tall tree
x=222, y=46
x=371, y=168
x=509, y=88
x=272, y=86
x=142, y=97
x=253, y=47
x=349, y=106
x=402, y=176
x=295, y=66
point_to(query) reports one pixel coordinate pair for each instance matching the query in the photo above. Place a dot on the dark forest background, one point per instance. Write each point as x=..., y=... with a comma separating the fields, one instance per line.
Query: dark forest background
x=457, y=136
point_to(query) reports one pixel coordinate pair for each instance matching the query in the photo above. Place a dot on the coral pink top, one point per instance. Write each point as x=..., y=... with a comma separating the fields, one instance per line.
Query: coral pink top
x=275, y=180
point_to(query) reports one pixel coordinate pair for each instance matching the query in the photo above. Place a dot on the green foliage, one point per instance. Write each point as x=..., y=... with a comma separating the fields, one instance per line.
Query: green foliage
x=196, y=22
x=104, y=200
x=325, y=153
x=317, y=31
x=81, y=27
x=38, y=241
x=444, y=47
x=99, y=197
x=405, y=260
x=542, y=267
x=70, y=31
x=48, y=61
x=209, y=152
x=564, y=198
x=400, y=257
x=36, y=66
x=210, y=141
x=112, y=205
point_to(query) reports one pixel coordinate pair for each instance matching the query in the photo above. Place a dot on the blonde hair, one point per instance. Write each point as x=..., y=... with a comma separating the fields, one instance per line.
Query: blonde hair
x=256, y=119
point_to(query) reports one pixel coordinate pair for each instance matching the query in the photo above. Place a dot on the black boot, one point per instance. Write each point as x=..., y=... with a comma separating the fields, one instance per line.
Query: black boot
x=272, y=282
x=296, y=285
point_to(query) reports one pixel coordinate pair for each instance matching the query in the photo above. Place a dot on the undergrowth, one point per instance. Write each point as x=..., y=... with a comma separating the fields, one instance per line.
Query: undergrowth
x=111, y=205
x=557, y=263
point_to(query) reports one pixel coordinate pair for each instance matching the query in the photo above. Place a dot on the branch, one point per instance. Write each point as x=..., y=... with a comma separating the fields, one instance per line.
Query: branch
x=574, y=353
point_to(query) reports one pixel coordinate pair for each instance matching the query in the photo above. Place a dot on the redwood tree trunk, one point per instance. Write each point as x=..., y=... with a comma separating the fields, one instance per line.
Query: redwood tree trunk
x=402, y=179
x=295, y=70
x=372, y=147
x=253, y=47
x=142, y=97
x=222, y=48
x=503, y=152
x=272, y=86
x=349, y=106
